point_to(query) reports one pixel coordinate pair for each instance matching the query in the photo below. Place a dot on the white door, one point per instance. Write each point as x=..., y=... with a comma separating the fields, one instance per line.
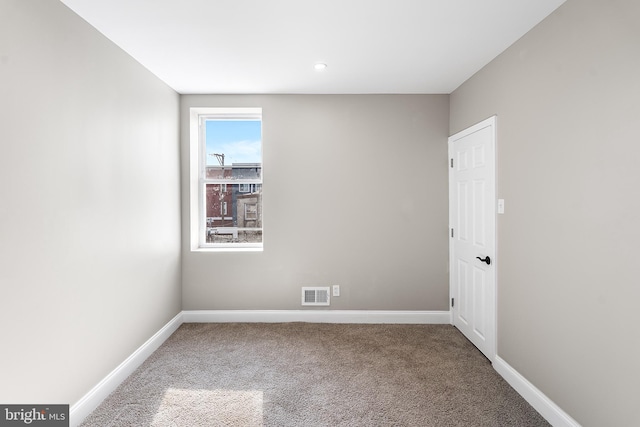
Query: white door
x=472, y=252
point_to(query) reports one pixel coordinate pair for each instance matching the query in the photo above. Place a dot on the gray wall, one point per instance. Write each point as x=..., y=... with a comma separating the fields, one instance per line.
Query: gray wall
x=355, y=194
x=567, y=96
x=89, y=204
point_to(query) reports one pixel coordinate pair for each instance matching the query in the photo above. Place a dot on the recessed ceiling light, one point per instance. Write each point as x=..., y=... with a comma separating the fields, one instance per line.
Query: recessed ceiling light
x=320, y=66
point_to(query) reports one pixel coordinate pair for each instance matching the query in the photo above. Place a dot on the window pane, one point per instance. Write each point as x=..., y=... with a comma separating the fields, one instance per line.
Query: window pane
x=242, y=222
x=233, y=142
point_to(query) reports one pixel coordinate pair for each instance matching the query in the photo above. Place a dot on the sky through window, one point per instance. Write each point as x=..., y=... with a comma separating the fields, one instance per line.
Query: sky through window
x=238, y=140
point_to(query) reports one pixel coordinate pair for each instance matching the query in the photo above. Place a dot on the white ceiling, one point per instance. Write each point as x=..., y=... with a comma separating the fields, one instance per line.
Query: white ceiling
x=270, y=46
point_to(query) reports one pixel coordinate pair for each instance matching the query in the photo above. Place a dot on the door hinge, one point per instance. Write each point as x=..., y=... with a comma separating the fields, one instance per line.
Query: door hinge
x=452, y=302
x=451, y=162
x=452, y=232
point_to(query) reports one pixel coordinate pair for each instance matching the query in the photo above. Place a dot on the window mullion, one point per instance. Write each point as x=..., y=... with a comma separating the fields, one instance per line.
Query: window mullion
x=232, y=182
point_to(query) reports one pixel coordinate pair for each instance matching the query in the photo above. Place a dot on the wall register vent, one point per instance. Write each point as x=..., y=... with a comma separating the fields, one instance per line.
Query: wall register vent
x=315, y=296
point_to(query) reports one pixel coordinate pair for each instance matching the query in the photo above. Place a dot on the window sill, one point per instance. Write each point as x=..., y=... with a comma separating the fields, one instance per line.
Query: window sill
x=228, y=249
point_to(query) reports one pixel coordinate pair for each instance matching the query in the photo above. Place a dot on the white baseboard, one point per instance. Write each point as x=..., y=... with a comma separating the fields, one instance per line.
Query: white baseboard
x=316, y=316
x=90, y=401
x=545, y=406
x=81, y=409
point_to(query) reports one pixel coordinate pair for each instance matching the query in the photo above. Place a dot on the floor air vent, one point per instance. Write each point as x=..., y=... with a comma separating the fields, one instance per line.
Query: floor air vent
x=315, y=296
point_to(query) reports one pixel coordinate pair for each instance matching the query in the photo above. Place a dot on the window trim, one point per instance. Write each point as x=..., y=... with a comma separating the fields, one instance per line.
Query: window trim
x=197, y=171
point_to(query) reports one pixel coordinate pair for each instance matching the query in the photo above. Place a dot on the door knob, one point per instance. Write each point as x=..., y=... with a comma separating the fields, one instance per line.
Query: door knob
x=486, y=259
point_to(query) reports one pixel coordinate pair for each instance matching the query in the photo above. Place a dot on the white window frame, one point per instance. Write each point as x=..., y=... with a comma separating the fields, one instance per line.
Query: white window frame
x=198, y=181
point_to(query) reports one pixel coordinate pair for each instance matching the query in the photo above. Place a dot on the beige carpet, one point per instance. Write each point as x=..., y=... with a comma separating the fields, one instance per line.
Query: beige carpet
x=305, y=374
